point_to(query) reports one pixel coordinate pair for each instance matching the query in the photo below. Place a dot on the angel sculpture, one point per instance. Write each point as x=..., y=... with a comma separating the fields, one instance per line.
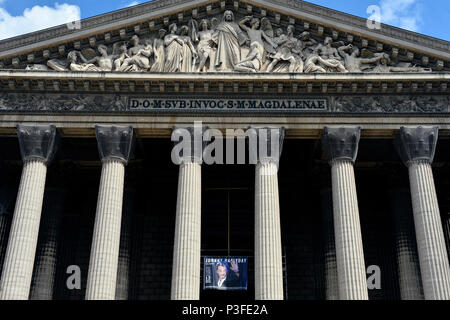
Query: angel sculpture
x=255, y=33
x=174, y=50
x=384, y=67
x=203, y=35
x=159, y=52
x=330, y=56
x=138, y=56
x=189, y=55
x=353, y=61
x=286, y=51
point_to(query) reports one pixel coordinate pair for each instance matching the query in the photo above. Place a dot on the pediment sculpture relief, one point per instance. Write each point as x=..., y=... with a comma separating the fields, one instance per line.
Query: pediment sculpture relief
x=224, y=44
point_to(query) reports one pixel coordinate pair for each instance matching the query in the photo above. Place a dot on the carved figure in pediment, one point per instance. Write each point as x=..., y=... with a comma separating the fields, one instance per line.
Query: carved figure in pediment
x=286, y=51
x=260, y=31
x=331, y=59
x=228, y=38
x=139, y=56
x=75, y=65
x=189, y=55
x=3, y=100
x=122, y=54
x=40, y=67
x=384, y=66
x=159, y=52
x=254, y=60
x=305, y=44
x=104, y=61
x=353, y=61
x=202, y=35
x=58, y=64
x=174, y=50
x=313, y=61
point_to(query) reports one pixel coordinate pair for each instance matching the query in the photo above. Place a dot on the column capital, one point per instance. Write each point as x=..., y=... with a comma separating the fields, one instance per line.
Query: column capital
x=37, y=142
x=190, y=148
x=417, y=143
x=341, y=143
x=114, y=142
x=266, y=143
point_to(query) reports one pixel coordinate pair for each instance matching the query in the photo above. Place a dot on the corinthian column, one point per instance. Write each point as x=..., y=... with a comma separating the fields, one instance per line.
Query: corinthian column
x=114, y=144
x=416, y=147
x=37, y=146
x=266, y=146
x=187, y=242
x=341, y=146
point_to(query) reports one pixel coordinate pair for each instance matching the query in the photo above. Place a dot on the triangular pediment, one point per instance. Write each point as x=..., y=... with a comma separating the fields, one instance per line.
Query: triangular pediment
x=75, y=47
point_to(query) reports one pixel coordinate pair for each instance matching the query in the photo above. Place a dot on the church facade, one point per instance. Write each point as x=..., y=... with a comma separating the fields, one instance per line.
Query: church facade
x=318, y=150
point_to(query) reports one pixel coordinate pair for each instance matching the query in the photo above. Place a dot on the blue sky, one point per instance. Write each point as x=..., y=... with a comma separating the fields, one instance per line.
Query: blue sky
x=430, y=17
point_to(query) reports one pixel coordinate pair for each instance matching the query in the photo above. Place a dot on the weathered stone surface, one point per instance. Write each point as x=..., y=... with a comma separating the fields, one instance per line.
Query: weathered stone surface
x=103, y=264
x=187, y=242
x=417, y=143
x=37, y=142
x=115, y=142
x=19, y=260
x=268, y=253
x=341, y=143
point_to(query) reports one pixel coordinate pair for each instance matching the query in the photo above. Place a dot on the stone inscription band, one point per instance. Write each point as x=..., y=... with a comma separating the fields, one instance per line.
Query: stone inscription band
x=147, y=104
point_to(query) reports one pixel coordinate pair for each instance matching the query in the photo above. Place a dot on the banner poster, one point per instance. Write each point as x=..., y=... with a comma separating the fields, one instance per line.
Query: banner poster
x=225, y=273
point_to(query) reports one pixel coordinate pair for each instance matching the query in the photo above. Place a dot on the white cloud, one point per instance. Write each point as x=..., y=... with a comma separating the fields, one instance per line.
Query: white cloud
x=404, y=14
x=37, y=18
x=131, y=3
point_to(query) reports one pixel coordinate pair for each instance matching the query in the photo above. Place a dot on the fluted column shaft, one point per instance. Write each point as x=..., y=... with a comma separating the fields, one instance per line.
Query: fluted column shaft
x=331, y=275
x=268, y=253
x=410, y=282
x=341, y=147
x=19, y=260
x=433, y=258
x=349, y=247
x=115, y=145
x=46, y=256
x=103, y=263
x=187, y=243
x=123, y=268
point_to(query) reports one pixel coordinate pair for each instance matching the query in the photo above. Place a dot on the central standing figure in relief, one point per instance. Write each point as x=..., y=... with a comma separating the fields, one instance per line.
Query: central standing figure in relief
x=228, y=38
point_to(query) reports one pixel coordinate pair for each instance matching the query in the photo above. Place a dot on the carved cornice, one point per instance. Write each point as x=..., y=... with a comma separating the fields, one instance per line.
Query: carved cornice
x=220, y=83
